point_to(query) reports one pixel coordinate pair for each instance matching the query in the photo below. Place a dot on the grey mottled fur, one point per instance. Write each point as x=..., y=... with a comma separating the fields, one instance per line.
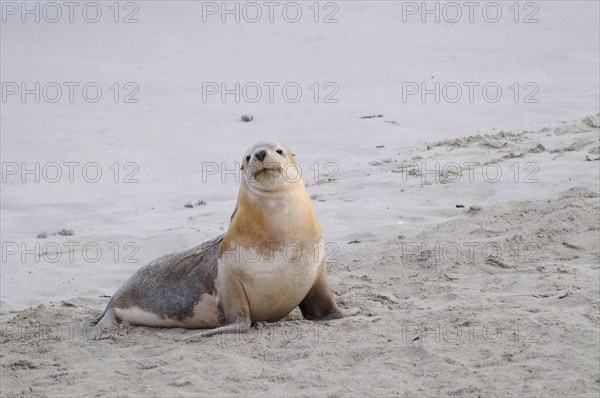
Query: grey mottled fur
x=171, y=286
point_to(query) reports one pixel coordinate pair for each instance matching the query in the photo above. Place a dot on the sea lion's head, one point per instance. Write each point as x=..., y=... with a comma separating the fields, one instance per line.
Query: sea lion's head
x=268, y=166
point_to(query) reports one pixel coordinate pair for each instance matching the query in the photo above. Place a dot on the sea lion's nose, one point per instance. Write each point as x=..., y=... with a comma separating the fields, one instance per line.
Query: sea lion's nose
x=260, y=155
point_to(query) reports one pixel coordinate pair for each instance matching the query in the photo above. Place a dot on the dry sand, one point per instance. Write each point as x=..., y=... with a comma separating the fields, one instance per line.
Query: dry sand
x=501, y=298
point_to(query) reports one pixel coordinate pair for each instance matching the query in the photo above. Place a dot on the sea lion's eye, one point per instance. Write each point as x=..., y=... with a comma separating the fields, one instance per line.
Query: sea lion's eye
x=279, y=151
x=248, y=158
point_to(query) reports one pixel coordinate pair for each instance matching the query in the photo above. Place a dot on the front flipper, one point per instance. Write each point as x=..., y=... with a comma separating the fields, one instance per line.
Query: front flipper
x=234, y=309
x=233, y=328
x=319, y=304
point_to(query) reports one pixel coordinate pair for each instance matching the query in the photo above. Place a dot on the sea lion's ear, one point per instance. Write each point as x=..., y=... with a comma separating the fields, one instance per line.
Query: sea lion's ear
x=242, y=168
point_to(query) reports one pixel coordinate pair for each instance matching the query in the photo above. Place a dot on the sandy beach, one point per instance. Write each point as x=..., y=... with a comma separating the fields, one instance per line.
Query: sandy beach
x=464, y=234
x=498, y=300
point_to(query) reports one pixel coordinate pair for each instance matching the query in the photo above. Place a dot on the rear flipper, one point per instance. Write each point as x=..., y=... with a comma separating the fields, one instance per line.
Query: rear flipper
x=102, y=328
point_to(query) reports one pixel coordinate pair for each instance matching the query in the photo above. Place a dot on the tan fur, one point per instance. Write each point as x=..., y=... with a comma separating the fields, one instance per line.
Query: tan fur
x=274, y=213
x=255, y=220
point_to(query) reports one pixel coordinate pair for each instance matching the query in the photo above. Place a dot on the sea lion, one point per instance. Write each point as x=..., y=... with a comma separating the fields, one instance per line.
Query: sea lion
x=270, y=260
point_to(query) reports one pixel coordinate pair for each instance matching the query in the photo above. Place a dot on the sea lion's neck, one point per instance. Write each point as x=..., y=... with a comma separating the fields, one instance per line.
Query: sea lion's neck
x=281, y=216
